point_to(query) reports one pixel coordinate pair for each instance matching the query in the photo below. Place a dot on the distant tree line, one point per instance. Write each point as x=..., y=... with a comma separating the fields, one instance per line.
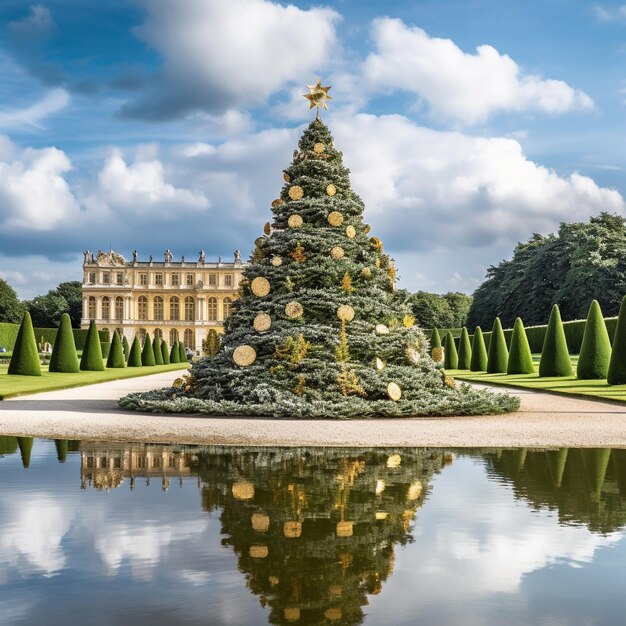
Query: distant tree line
x=433, y=310
x=584, y=261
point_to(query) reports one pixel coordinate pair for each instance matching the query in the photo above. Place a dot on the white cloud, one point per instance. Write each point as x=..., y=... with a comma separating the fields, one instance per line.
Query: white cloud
x=52, y=102
x=606, y=14
x=37, y=23
x=465, y=88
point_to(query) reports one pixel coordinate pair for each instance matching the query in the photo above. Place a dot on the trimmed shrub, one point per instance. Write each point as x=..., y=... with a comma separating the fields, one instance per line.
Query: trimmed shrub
x=64, y=357
x=8, y=445
x=182, y=353
x=465, y=350
x=147, y=354
x=174, y=353
x=105, y=348
x=596, y=462
x=520, y=356
x=156, y=348
x=134, y=356
x=25, y=357
x=556, y=463
x=595, y=351
x=498, y=355
x=165, y=354
x=451, y=356
x=91, y=360
x=479, y=352
x=555, y=360
x=435, y=339
x=26, y=447
x=617, y=365
x=61, y=446
x=116, y=353
x=126, y=348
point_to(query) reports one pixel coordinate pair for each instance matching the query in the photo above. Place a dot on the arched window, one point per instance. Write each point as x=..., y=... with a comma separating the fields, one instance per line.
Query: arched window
x=142, y=308
x=158, y=308
x=175, y=308
x=211, y=309
x=106, y=308
x=91, y=307
x=173, y=336
x=119, y=308
x=190, y=339
x=142, y=335
x=158, y=333
x=190, y=309
x=226, y=307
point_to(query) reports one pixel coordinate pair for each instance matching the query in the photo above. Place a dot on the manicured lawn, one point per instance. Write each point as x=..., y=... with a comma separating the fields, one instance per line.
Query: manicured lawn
x=567, y=385
x=11, y=386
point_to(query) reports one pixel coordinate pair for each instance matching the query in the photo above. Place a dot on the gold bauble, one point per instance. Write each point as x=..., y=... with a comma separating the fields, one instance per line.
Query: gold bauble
x=366, y=272
x=296, y=192
x=331, y=190
x=332, y=614
x=318, y=148
x=376, y=243
x=291, y=613
x=276, y=261
x=243, y=490
x=345, y=312
x=267, y=228
x=273, y=580
x=260, y=286
x=449, y=381
x=292, y=529
x=335, y=218
x=262, y=322
x=286, y=177
x=276, y=203
x=394, y=460
x=413, y=355
x=260, y=522
x=379, y=363
x=381, y=329
x=351, y=231
x=335, y=590
x=258, y=552
x=366, y=229
x=437, y=354
x=294, y=309
x=408, y=321
x=415, y=490
x=295, y=221
x=344, y=529
x=381, y=515
x=244, y=355
x=394, y=392
x=337, y=252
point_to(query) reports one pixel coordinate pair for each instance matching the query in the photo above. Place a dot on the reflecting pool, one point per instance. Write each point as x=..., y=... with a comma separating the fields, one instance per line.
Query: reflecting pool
x=125, y=533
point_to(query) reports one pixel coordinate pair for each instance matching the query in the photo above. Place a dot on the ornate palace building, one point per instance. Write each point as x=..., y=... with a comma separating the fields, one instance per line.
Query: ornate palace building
x=177, y=300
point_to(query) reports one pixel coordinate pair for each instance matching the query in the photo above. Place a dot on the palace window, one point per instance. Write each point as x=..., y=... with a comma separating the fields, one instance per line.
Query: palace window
x=211, y=309
x=142, y=308
x=117, y=463
x=92, y=278
x=189, y=280
x=212, y=280
x=190, y=309
x=158, y=333
x=158, y=308
x=142, y=335
x=106, y=308
x=156, y=462
x=119, y=278
x=190, y=339
x=227, y=305
x=173, y=336
x=106, y=278
x=119, y=308
x=143, y=279
x=91, y=308
x=228, y=280
x=174, y=308
x=175, y=280
x=158, y=279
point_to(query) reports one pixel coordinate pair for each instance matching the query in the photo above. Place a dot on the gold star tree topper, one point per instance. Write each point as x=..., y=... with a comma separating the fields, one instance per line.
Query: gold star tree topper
x=318, y=96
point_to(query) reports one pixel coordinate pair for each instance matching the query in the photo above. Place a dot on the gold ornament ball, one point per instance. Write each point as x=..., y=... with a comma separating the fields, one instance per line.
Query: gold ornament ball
x=331, y=190
x=337, y=252
x=291, y=613
x=344, y=529
x=394, y=461
x=394, y=392
x=260, y=522
x=366, y=229
x=381, y=329
x=296, y=192
x=295, y=221
x=267, y=228
x=335, y=218
x=351, y=232
x=318, y=148
x=333, y=614
x=260, y=286
x=437, y=354
x=276, y=203
x=377, y=262
x=286, y=177
x=345, y=312
x=379, y=364
x=243, y=490
x=258, y=552
x=415, y=490
x=262, y=322
x=276, y=261
x=292, y=529
x=376, y=243
x=366, y=272
x=294, y=309
x=244, y=355
x=412, y=355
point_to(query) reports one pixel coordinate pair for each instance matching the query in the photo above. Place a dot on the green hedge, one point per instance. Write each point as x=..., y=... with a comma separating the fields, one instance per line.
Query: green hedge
x=8, y=334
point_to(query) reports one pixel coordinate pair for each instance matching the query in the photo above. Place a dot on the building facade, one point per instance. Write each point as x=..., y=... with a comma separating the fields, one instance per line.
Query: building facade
x=176, y=300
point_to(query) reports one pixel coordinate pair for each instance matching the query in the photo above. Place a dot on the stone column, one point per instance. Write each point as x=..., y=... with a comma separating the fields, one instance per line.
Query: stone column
x=85, y=308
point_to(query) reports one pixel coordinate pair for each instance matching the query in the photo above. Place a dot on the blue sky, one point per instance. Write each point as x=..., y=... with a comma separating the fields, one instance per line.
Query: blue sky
x=154, y=124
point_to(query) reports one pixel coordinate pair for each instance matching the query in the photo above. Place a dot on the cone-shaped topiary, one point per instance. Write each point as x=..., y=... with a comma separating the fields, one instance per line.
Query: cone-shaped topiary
x=435, y=339
x=116, y=353
x=92, y=351
x=317, y=331
x=64, y=357
x=617, y=365
x=25, y=358
x=174, y=353
x=479, y=352
x=556, y=464
x=498, y=354
x=26, y=447
x=165, y=354
x=465, y=350
x=555, y=359
x=182, y=353
x=134, y=356
x=156, y=348
x=147, y=354
x=596, y=462
x=61, y=445
x=595, y=350
x=520, y=356
x=451, y=357
x=126, y=348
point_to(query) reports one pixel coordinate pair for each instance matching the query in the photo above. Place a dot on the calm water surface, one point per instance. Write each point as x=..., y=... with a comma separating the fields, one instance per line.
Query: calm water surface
x=122, y=533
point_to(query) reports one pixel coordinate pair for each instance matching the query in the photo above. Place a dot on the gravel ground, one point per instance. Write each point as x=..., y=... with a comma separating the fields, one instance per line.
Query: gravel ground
x=545, y=420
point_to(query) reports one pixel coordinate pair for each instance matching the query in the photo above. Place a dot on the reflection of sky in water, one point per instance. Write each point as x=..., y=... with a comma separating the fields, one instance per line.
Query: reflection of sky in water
x=479, y=556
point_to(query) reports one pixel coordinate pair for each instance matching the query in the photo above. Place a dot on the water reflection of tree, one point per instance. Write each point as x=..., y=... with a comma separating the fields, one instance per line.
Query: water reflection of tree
x=585, y=486
x=314, y=530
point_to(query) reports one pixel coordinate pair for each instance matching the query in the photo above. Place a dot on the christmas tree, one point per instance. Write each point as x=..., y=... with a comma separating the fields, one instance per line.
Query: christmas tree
x=318, y=330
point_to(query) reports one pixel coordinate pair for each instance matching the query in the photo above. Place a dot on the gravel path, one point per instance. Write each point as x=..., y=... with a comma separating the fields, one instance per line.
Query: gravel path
x=92, y=413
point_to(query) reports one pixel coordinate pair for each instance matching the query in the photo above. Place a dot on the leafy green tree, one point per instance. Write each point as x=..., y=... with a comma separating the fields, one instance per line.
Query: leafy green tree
x=498, y=354
x=459, y=305
x=11, y=309
x=520, y=356
x=147, y=354
x=465, y=350
x=479, y=352
x=25, y=357
x=175, y=353
x=595, y=350
x=64, y=357
x=116, y=352
x=134, y=356
x=156, y=348
x=165, y=353
x=72, y=291
x=432, y=310
x=451, y=356
x=46, y=311
x=617, y=365
x=91, y=359
x=555, y=359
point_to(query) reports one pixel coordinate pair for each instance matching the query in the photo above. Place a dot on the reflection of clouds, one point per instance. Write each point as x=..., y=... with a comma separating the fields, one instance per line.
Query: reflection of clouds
x=32, y=529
